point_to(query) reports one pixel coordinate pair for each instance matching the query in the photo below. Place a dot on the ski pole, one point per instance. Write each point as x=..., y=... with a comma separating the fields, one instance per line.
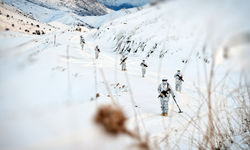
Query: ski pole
x=178, y=106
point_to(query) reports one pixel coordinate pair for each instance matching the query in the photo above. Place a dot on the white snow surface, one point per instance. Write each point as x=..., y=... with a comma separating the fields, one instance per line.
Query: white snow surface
x=58, y=24
x=47, y=91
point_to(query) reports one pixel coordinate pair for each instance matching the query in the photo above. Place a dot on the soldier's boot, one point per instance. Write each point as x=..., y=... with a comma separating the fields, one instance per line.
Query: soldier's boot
x=162, y=114
x=166, y=114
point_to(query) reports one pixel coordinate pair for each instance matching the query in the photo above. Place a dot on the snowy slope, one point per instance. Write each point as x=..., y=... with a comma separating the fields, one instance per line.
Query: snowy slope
x=48, y=91
x=58, y=24
x=43, y=14
x=195, y=37
x=97, y=21
x=179, y=35
x=80, y=7
x=55, y=11
x=55, y=89
x=93, y=21
x=16, y=20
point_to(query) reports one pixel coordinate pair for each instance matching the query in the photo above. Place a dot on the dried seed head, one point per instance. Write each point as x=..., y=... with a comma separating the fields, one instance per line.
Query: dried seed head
x=112, y=119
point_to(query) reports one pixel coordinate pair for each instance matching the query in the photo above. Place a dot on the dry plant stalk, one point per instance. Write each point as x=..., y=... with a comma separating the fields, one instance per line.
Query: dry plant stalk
x=113, y=120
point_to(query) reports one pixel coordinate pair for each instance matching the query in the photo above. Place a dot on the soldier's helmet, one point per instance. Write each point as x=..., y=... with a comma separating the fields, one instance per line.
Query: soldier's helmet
x=164, y=79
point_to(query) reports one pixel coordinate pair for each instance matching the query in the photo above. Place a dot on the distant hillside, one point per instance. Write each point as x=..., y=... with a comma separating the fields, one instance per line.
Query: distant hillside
x=97, y=21
x=127, y=6
x=14, y=19
x=117, y=5
x=67, y=13
x=79, y=7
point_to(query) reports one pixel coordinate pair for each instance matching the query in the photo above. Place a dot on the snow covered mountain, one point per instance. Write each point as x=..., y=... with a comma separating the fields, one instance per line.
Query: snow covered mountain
x=151, y=31
x=49, y=11
x=80, y=7
x=14, y=19
x=64, y=12
x=53, y=94
x=97, y=21
x=52, y=11
x=119, y=4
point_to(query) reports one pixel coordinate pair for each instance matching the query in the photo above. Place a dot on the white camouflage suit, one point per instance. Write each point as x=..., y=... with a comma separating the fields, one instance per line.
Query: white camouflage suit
x=97, y=51
x=80, y=39
x=82, y=43
x=178, y=82
x=164, y=100
x=143, y=68
x=124, y=63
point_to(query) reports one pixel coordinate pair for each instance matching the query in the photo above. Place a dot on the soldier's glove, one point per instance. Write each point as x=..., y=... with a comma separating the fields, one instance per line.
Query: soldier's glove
x=174, y=96
x=161, y=95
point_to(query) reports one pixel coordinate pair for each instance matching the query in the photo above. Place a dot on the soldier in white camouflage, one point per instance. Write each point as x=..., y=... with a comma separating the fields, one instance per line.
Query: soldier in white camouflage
x=178, y=81
x=82, y=41
x=164, y=90
x=97, y=51
x=143, y=67
x=123, y=62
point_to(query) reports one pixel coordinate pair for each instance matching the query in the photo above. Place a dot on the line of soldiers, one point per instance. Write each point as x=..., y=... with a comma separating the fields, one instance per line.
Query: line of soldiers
x=97, y=49
x=143, y=65
x=164, y=89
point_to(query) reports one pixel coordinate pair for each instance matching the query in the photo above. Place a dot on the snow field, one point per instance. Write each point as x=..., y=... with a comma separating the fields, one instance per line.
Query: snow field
x=190, y=39
x=53, y=89
x=48, y=92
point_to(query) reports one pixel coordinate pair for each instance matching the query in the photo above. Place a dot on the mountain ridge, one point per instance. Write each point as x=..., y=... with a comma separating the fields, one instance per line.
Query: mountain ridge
x=117, y=5
x=79, y=7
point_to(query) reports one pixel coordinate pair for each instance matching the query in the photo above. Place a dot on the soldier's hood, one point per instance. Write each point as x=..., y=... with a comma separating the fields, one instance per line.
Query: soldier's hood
x=164, y=83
